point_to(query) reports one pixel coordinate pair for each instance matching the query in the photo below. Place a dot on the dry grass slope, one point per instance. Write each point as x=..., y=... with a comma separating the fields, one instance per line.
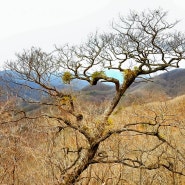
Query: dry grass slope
x=35, y=152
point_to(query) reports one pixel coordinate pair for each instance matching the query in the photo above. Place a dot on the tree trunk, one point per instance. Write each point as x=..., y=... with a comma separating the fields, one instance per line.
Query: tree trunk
x=71, y=175
x=119, y=94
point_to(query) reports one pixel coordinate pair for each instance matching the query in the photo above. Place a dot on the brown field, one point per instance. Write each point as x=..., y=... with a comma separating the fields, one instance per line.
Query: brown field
x=35, y=152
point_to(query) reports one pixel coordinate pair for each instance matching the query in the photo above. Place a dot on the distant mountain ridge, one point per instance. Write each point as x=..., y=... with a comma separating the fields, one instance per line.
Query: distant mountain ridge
x=10, y=82
x=164, y=86
x=54, y=81
x=99, y=92
x=172, y=83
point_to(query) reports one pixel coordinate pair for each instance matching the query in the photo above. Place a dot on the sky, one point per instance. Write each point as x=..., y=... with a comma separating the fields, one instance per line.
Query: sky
x=45, y=23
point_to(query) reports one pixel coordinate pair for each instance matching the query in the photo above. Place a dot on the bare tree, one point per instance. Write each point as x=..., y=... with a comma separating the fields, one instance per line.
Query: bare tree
x=140, y=44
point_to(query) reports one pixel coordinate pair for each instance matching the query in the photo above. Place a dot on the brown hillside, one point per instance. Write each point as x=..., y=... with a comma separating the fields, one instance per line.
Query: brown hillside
x=162, y=87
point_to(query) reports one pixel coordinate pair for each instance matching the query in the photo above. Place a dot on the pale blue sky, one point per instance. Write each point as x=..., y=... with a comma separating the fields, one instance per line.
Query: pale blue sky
x=44, y=23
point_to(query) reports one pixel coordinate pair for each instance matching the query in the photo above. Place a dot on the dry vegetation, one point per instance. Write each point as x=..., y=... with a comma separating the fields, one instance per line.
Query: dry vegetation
x=35, y=151
x=71, y=141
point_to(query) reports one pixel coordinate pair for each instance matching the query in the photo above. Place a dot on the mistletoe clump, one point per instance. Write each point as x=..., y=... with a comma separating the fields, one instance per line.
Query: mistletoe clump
x=97, y=75
x=67, y=77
